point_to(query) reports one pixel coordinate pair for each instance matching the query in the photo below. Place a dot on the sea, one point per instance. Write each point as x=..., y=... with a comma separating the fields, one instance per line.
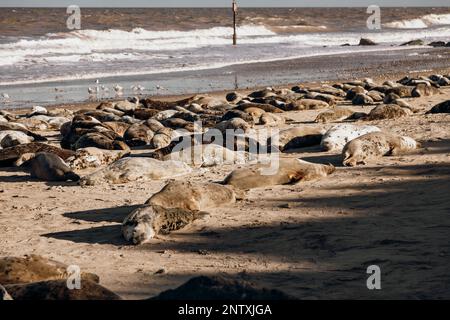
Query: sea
x=141, y=49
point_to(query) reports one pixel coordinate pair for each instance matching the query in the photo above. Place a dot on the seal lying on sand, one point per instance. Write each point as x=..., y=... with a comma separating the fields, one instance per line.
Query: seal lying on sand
x=443, y=107
x=336, y=115
x=138, y=135
x=99, y=140
x=10, y=138
x=289, y=171
x=388, y=111
x=14, y=153
x=33, y=268
x=192, y=196
x=49, y=167
x=58, y=290
x=17, y=127
x=94, y=157
x=208, y=156
x=136, y=169
x=146, y=222
x=294, y=138
x=372, y=146
x=221, y=288
x=339, y=135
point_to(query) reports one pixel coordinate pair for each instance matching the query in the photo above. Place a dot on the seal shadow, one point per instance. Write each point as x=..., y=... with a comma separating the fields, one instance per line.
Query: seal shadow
x=115, y=214
x=334, y=159
x=96, y=235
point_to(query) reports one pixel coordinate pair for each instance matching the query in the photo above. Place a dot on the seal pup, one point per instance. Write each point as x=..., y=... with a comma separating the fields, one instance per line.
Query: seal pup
x=193, y=196
x=146, y=222
x=58, y=290
x=49, y=167
x=289, y=171
x=339, y=135
x=372, y=146
x=34, y=268
x=136, y=169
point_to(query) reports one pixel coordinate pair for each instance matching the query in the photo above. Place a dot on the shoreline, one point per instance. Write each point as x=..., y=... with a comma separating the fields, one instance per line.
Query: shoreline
x=320, y=69
x=378, y=71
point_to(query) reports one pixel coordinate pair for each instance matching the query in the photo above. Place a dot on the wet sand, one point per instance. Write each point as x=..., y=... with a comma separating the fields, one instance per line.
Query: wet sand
x=382, y=63
x=313, y=240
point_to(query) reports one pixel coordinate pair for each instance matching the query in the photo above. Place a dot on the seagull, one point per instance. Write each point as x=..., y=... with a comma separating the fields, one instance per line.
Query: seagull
x=136, y=88
x=93, y=90
x=5, y=95
x=118, y=89
x=104, y=89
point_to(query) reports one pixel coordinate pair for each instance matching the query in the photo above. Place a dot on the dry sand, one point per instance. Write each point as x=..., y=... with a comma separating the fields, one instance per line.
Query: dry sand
x=312, y=240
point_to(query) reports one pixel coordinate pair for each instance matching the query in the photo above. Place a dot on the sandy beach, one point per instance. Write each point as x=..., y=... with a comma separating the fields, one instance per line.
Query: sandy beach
x=92, y=178
x=312, y=240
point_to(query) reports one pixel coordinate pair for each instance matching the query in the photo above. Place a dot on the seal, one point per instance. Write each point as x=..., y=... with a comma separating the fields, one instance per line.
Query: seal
x=18, y=127
x=58, y=290
x=375, y=145
x=306, y=104
x=207, y=155
x=443, y=107
x=233, y=124
x=146, y=222
x=289, y=171
x=13, y=153
x=49, y=167
x=162, y=138
x=138, y=135
x=34, y=268
x=10, y=138
x=136, y=169
x=193, y=196
x=336, y=115
x=99, y=140
x=295, y=138
x=94, y=157
x=339, y=135
x=388, y=111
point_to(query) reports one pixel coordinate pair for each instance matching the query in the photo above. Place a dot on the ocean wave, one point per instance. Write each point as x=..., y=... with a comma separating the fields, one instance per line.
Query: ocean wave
x=140, y=44
x=426, y=21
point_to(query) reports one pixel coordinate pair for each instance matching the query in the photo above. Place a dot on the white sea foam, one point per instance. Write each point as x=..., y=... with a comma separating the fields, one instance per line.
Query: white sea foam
x=426, y=21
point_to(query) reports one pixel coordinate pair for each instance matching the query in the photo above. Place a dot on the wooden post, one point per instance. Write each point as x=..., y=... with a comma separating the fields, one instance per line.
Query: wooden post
x=234, y=23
